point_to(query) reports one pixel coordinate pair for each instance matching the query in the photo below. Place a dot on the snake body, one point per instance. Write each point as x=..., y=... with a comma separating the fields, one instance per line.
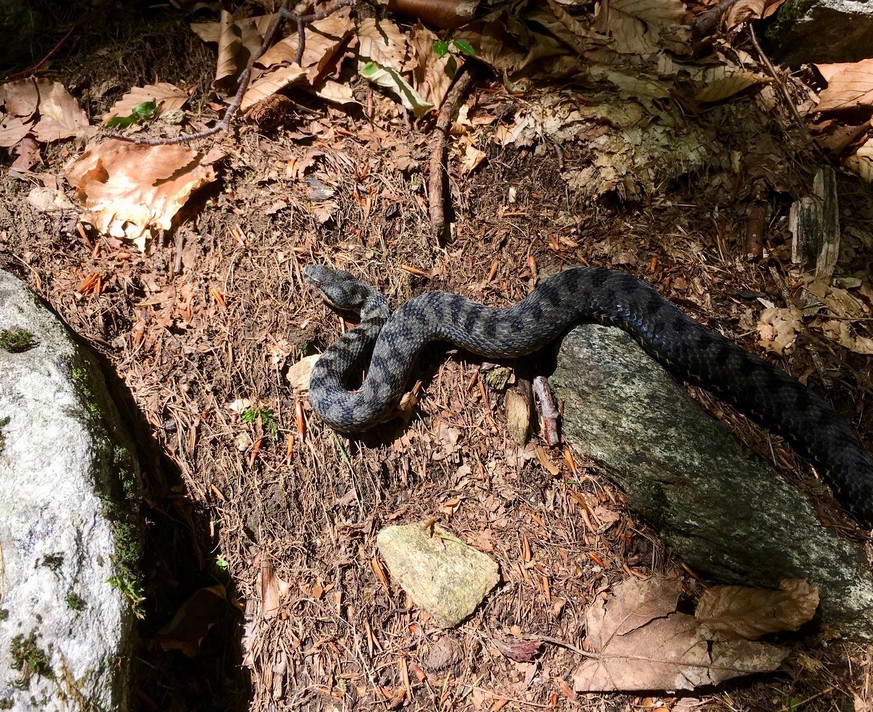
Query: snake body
x=686, y=348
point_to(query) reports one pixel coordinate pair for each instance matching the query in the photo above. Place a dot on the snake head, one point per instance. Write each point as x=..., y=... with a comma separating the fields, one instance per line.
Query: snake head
x=338, y=288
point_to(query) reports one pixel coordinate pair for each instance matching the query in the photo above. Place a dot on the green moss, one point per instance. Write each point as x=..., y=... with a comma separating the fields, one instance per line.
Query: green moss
x=53, y=561
x=4, y=614
x=29, y=658
x=118, y=485
x=5, y=704
x=75, y=601
x=3, y=423
x=16, y=340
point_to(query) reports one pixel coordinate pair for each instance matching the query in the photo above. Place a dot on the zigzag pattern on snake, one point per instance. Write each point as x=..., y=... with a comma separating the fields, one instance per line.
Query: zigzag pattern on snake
x=687, y=349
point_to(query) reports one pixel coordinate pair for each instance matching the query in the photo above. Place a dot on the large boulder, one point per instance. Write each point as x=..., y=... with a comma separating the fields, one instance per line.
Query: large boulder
x=69, y=532
x=822, y=31
x=728, y=516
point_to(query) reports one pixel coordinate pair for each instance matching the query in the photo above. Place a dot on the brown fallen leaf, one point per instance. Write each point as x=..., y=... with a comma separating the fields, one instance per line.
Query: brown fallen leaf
x=642, y=643
x=167, y=96
x=193, y=620
x=850, y=86
x=522, y=651
x=128, y=189
x=742, y=612
x=60, y=115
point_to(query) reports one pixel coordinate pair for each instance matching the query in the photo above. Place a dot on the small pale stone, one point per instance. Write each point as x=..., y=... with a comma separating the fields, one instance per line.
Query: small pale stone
x=445, y=577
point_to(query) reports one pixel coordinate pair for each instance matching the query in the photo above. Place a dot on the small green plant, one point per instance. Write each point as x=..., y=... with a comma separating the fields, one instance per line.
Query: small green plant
x=441, y=47
x=143, y=112
x=75, y=601
x=28, y=657
x=221, y=564
x=264, y=416
x=16, y=340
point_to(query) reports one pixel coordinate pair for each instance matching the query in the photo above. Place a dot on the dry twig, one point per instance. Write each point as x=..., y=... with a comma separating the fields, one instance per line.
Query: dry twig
x=436, y=181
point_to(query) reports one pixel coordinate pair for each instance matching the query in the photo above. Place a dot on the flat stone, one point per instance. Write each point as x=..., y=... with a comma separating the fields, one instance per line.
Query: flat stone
x=444, y=576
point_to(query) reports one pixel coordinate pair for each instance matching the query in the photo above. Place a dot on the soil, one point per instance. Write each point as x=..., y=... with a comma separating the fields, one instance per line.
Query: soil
x=240, y=504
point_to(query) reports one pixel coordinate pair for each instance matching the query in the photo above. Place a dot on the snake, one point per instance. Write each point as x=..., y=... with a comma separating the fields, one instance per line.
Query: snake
x=686, y=348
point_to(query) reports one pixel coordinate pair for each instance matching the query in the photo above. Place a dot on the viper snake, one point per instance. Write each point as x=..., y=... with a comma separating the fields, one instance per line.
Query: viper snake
x=687, y=349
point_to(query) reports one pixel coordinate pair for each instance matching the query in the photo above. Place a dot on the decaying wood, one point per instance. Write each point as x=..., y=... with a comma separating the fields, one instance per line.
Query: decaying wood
x=814, y=222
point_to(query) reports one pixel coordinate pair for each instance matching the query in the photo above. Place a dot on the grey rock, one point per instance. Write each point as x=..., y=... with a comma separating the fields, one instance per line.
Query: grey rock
x=724, y=514
x=69, y=532
x=822, y=31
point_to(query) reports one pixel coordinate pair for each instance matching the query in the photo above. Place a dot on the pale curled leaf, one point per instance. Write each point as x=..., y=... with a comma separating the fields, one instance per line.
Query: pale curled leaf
x=390, y=79
x=127, y=189
x=778, y=328
x=861, y=162
x=722, y=83
x=750, y=613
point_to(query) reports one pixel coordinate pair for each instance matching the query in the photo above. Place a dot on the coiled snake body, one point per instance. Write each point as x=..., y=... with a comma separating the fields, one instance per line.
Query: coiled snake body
x=684, y=347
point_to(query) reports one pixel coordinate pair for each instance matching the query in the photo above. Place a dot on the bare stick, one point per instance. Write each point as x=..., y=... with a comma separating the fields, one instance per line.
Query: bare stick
x=436, y=182
x=780, y=84
x=548, y=410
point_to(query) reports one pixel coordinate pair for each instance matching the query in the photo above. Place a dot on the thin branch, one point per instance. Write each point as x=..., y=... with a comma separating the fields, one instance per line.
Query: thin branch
x=780, y=84
x=436, y=182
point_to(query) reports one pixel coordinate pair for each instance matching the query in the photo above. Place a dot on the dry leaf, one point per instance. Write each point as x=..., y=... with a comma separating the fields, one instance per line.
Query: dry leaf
x=723, y=82
x=60, y=115
x=381, y=42
x=473, y=157
x=432, y=74
x=323, y=40
x=20, y=98
x=193, y=620
x=778, y=327
x=521, y=651
x=127, y=189
x=273, y=590
x=642, y=643
x=745, y=10
x=168, y=97
x=850, y=86
x=13, y=130
x=269, y=83
x=238, y=40
x=750, y=613
x=841, y=332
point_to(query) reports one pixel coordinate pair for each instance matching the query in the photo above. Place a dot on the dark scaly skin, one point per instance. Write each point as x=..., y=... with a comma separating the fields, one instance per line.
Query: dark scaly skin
x=687, y=349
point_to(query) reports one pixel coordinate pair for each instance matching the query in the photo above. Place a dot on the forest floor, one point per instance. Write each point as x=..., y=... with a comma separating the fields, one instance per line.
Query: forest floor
x=203, y=325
